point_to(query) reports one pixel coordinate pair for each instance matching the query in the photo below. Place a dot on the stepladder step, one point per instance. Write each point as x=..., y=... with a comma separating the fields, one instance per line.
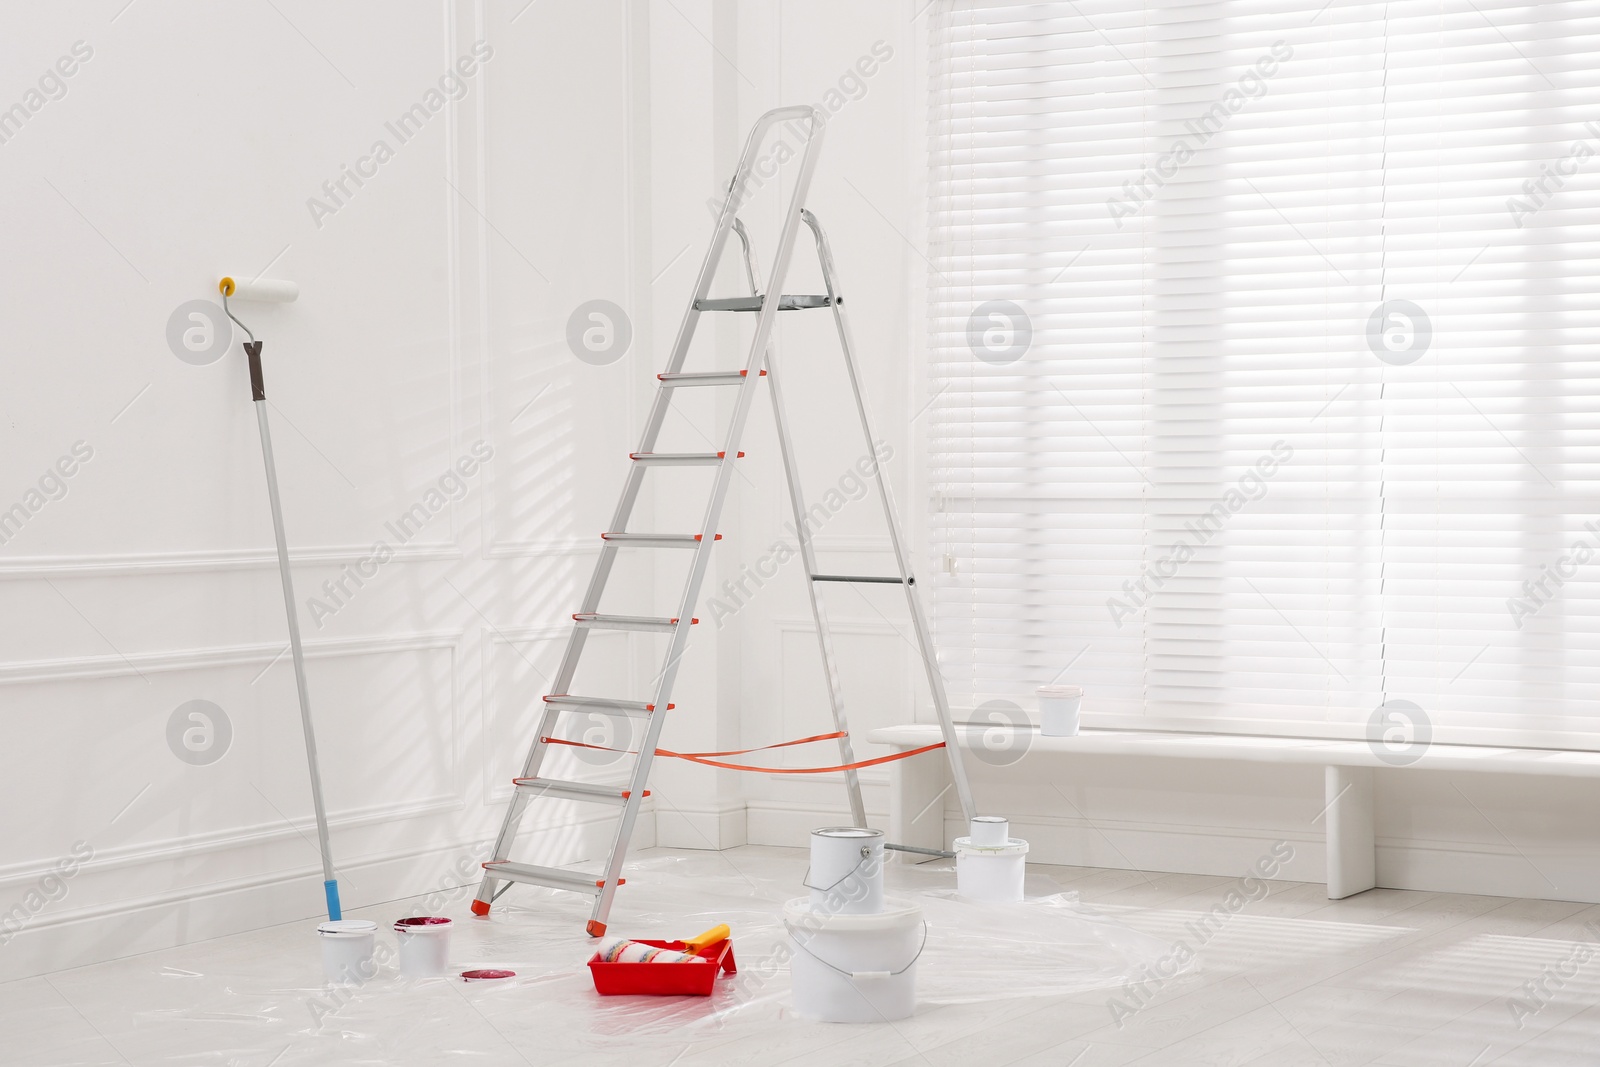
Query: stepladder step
x=693, y=379
x=680, y=459
x=597, y=621
x=582, y=791
x=786, y=302
x=549, y=877
x=573, y=702
x=650, y=540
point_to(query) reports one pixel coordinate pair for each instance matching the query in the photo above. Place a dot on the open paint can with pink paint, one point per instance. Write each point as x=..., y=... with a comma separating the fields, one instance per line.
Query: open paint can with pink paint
x=424, y=945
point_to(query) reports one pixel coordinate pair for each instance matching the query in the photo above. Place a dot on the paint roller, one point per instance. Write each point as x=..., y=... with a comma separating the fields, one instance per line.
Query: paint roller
x=272, y=291
x=262, y=290
x=621, y=950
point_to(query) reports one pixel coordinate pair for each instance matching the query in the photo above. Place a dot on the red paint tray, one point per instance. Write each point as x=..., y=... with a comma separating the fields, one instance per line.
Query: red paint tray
x=664, y=979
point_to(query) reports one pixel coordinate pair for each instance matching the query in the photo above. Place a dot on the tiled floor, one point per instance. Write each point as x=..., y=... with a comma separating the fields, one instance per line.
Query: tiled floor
x=1283, y=979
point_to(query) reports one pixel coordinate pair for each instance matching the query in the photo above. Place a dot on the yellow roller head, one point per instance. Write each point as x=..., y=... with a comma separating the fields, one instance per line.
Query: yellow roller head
x=226, y=286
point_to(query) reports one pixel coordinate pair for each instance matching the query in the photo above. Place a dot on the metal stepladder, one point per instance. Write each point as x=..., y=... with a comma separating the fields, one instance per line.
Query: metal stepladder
x=758, y=365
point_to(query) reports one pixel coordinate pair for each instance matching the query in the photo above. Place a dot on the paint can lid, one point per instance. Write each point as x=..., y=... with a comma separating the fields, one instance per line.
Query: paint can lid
x=348, y=927
x=846, y=831
x=1060, y=691
x=1013, y=846
x=421, y=923
x=487, y=975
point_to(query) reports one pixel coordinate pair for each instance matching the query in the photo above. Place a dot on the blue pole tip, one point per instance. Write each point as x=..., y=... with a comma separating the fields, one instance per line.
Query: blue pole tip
x=331, y=888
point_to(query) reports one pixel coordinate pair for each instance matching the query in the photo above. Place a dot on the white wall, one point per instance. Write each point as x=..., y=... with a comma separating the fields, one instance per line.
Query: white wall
x=575, y=167
x=432, y=318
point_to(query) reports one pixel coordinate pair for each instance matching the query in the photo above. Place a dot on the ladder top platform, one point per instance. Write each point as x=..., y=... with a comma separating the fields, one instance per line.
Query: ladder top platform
x=786, y=302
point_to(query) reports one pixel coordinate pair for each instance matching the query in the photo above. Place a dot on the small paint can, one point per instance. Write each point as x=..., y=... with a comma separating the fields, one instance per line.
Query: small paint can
x=846, y=875
x=347, y=950
x=1058, y=710
x=990, y=831
x=991, y=873
x=424, y=945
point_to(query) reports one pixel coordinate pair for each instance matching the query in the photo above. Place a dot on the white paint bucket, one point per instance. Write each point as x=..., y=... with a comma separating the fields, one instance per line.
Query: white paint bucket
x=424, y=945
x=347, y=950
x=1058, y=710
x=992, y=873
x=846, y=875
x=990, y=830
x=855, y=968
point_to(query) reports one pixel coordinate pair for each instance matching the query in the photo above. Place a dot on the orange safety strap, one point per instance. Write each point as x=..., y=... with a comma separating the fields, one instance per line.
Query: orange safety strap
x=701, y=757
x=807, y=770
x=746, y=751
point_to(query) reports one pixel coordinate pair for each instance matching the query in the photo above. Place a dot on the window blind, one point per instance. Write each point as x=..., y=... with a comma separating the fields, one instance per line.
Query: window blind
x=1263, y=361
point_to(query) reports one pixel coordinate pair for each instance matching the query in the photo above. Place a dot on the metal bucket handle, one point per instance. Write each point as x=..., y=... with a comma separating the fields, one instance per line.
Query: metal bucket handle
x=866, y=853
x=857, y=975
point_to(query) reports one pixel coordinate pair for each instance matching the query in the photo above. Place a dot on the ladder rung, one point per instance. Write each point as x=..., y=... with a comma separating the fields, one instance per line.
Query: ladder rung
x=552, y=877
x=857, y=578
x=787, y=302
x=596, y=621
x=598, y=794
x=628, y=707
x=643, y=540
x=680, y=459
x=685, y=379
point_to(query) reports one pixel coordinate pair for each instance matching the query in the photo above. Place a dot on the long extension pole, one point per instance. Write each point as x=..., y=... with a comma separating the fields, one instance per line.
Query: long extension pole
x=258, y=392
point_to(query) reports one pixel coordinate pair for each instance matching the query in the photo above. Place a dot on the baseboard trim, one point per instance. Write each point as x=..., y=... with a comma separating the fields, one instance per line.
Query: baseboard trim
x=725, y=826
x=1226, y=851
x=774, y=822
x=55, y=940
x=213, y=842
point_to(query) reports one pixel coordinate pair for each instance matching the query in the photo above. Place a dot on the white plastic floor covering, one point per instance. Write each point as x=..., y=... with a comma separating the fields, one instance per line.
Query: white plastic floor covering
x=258, y=998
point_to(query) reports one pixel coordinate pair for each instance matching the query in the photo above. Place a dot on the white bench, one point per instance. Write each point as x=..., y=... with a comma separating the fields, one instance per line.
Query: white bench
x=917, y=783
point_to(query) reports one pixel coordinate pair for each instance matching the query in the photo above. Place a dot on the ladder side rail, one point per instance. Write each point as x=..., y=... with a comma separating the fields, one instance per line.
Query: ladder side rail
x=630, y=493
x=735, y=430
x=919, y=621
x=517, y=806
x=658, y=410
x=719, y=238
x=741, y=412
x=749, y=256
x=808, y=560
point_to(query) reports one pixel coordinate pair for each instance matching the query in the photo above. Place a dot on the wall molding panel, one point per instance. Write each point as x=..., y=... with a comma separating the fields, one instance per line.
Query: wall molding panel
x=206, y=561
x=117, y=665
